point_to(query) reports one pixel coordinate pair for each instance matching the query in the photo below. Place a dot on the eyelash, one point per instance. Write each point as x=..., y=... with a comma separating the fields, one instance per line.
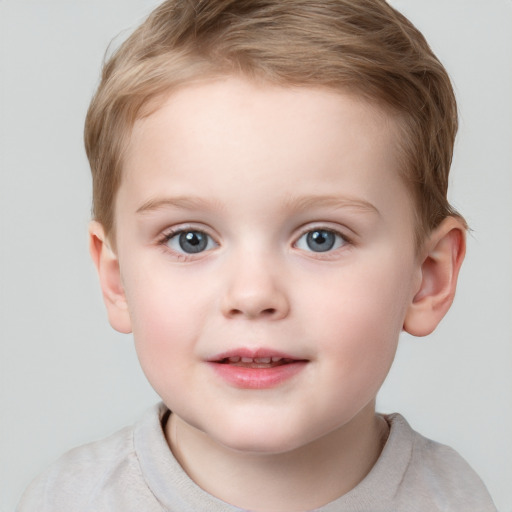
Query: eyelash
x=343, y=241
x=182, y=256
x=330, y=252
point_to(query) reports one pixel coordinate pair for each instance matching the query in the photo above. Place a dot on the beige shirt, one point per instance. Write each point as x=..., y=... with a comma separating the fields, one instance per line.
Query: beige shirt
x=134, y=471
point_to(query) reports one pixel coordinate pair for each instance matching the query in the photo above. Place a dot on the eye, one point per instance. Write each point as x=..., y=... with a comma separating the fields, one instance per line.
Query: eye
x=190, y=242
x=320, y=240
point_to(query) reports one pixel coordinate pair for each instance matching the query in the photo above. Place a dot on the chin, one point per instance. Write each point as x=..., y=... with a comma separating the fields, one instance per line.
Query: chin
x=261, y=446
x=265, y=439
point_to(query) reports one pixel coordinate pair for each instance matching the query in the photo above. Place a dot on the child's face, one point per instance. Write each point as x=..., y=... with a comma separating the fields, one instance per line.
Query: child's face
x=262, y=222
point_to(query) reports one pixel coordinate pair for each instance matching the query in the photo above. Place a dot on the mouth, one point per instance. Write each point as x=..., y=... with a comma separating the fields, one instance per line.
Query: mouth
x=256, y=369
x=256, y=362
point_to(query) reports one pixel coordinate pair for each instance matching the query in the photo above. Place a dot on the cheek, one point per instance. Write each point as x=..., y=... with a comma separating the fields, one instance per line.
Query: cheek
x=368, y=297
x=361, y=317
x=165, y=323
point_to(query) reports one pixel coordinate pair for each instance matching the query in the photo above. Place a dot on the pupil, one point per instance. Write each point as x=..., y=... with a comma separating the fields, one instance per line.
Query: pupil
x=193, y=241
x=320, y=241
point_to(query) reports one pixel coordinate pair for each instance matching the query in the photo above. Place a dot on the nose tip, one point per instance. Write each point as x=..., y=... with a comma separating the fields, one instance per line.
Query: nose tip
x=254, y=292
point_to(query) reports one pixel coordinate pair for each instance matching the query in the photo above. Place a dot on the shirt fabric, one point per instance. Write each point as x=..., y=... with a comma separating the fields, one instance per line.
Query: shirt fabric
x=135, y=471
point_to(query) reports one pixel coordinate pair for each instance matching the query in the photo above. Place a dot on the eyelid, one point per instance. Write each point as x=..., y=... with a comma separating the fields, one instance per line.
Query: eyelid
x=170, y=231
x=324, y=226
x=174, y=231
x=347, y=241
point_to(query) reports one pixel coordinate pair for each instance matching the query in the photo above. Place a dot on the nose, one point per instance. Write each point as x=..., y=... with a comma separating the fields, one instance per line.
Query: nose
x=254, y=289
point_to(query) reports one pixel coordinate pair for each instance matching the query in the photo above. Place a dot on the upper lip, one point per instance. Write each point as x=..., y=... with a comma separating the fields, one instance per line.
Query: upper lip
x=257, y=353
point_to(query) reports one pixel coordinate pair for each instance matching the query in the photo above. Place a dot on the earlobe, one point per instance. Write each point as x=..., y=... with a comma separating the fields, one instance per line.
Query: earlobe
x=107, y=265
x=441, y=262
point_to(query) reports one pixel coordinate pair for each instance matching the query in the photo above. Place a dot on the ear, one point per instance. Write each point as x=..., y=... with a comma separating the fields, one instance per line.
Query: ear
x=442, y=258
x=107, y=265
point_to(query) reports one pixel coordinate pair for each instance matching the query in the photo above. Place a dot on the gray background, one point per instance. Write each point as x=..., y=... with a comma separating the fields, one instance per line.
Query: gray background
x=68, y=378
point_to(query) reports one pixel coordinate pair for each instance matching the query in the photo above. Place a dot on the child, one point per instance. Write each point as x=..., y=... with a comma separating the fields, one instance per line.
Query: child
x=270, y=213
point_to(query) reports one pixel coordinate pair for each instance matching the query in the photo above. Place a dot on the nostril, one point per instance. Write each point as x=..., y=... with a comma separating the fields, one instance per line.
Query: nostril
x=268, y=312
x=269, y=305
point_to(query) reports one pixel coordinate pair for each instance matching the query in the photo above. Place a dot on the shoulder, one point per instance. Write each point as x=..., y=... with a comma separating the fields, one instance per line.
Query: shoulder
x=88, y=477
x=438, y=472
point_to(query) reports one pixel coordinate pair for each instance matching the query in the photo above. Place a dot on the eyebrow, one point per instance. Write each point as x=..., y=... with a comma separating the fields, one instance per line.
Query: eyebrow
x=180, y=202
x=297, y=204
x=333, y=202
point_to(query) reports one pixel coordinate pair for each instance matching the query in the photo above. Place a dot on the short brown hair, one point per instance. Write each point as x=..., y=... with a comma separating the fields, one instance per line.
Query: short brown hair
x=361, y=46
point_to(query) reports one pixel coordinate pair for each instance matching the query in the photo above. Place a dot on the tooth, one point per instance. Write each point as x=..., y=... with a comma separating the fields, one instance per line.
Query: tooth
x=262, y=359
x=235, y=359
x=247, y=359
x=275, y=359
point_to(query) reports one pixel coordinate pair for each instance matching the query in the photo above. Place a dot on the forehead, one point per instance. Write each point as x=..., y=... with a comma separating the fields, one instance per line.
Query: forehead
x=211, y=94
x=234, y=132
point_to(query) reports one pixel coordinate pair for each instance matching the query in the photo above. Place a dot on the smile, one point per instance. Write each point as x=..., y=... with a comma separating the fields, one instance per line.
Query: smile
x=256, y=362
x=259, y=370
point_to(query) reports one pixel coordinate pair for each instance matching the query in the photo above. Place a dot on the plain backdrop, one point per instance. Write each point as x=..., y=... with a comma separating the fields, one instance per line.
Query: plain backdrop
x=67, y=378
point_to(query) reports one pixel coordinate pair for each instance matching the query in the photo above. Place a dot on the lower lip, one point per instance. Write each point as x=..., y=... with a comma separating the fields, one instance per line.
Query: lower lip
x=257, y=378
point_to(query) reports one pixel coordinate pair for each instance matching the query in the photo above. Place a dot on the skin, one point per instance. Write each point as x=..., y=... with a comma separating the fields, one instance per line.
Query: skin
x=257, y=167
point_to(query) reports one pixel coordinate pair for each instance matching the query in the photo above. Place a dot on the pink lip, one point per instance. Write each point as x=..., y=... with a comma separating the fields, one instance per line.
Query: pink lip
x=259, y=376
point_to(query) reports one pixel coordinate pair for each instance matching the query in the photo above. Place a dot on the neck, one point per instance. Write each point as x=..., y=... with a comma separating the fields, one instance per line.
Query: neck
x=302, y=479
